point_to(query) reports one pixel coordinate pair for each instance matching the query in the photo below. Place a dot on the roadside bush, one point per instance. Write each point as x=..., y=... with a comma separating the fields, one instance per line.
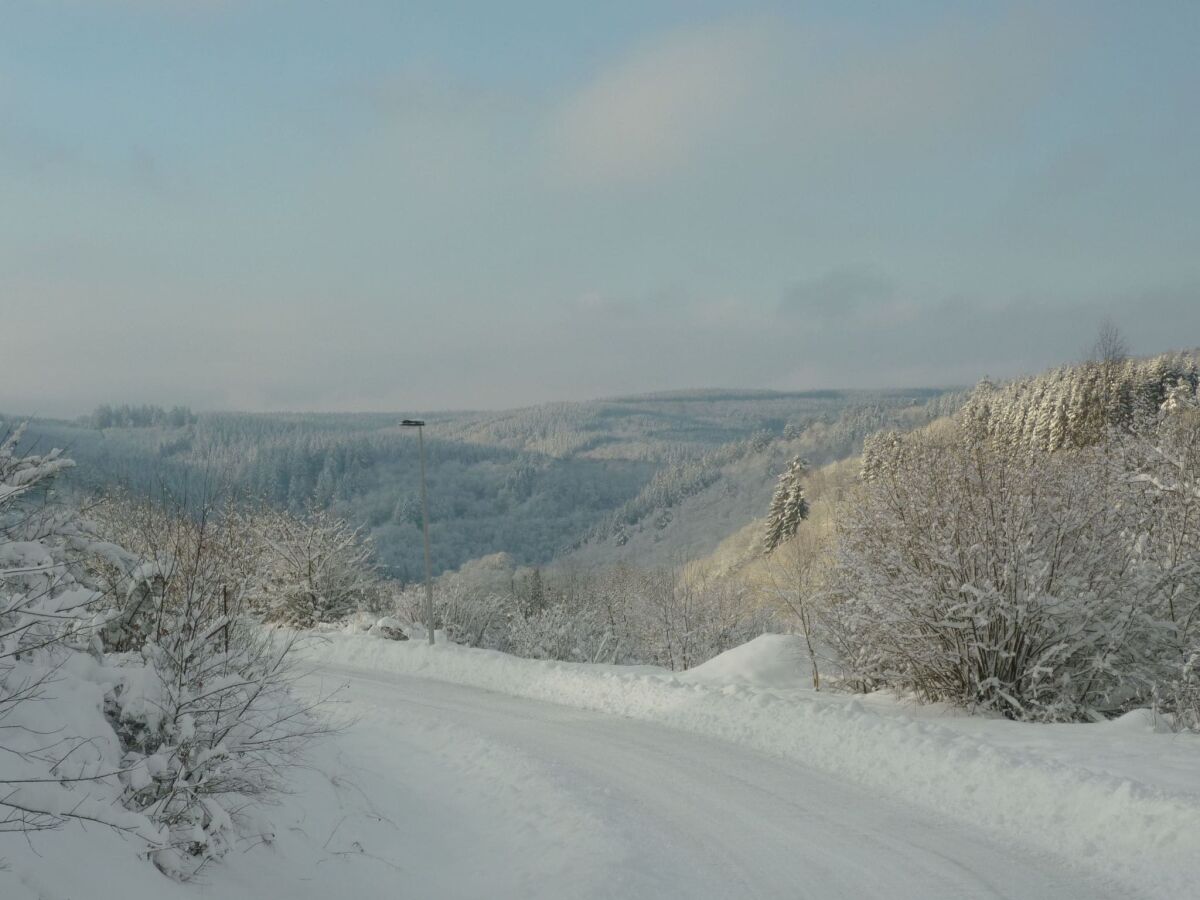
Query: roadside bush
x=203, y=708
x=49, y=607
x=317, y=568
x=559, y=632
x=1036, y=584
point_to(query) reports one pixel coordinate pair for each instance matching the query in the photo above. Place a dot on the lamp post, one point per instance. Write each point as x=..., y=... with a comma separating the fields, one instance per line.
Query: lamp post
x=420, y=426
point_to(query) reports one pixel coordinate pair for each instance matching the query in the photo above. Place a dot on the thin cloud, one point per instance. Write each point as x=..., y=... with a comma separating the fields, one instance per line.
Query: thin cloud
x=650, y=110
x=762, y=88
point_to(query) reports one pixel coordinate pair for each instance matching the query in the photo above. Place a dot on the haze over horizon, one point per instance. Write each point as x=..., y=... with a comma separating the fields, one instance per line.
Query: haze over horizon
x=678, y=393
x=264, y=206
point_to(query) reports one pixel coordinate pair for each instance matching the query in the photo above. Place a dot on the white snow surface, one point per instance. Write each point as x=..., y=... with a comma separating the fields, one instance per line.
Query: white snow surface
x=779, y=661
x=1119, y=801
x=468, y=774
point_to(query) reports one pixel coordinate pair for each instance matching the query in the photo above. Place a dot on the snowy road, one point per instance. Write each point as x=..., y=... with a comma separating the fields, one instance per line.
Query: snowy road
x=488, y=795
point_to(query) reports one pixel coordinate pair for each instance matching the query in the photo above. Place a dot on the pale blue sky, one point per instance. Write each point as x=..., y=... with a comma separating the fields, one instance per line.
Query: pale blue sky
x=389, y=205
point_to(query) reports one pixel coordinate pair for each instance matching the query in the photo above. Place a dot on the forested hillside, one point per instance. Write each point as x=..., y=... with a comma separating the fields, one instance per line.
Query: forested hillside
x=1035, y=554
x=687, y=509
x=615, y=478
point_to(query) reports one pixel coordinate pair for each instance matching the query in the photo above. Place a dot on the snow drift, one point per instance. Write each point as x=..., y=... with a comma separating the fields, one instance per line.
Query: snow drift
x=777, y=661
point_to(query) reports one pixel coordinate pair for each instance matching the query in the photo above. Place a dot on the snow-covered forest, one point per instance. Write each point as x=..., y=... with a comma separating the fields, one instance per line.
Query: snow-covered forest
x=531, y=483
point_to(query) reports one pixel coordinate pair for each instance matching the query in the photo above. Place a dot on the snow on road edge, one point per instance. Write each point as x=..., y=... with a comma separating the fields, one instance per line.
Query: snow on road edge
x=1140, y=835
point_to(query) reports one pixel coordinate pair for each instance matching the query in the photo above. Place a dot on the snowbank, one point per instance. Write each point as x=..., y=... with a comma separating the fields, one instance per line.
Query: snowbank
x=777, y=661
x=1049, y=795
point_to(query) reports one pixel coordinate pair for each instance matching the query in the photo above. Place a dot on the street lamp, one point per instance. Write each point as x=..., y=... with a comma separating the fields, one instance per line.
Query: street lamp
x=420, y=426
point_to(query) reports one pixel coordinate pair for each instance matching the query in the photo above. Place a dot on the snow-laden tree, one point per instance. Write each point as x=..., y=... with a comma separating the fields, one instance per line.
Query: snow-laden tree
x=788, y=505
x=531, y=596
x=1110, y=346
x=316, y=568
x=1075, y=406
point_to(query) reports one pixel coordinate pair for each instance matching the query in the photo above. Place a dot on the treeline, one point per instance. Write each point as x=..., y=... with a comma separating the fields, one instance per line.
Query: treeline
x=144, y=416
x=1076, y=406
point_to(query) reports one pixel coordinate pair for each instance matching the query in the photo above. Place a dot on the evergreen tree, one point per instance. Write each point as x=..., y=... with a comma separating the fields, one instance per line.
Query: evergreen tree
x=788, y=506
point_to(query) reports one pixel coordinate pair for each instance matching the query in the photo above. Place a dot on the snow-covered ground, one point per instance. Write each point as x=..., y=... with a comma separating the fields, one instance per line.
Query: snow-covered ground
x=1119, y=801
x=516, y=798
x=466, y=773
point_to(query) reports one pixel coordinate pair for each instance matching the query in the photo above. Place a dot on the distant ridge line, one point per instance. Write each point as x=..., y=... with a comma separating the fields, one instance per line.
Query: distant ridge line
x=766, y=394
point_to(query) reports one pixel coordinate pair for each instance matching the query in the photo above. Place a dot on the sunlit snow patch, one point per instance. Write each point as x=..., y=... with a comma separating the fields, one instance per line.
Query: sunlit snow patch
x=776, y=661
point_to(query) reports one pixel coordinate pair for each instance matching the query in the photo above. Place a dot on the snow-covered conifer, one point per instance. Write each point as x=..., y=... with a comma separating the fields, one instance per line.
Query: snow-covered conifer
x=788, y=505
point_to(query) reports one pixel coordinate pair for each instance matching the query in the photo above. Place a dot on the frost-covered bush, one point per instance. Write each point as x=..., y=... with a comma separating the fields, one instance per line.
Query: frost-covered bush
x=135, y=692
x=170, y=553
x=669, y=617
x=48, y=607
x=284, y=569
x=564, y=632
x=665, y=617
x=679, y=620
x=1164, y=457
x=477, y=618
x=209, y=726
x=1036, y=584
x=1041, y=556
x=203, y=706
x=317, y=568
x=1180, y=697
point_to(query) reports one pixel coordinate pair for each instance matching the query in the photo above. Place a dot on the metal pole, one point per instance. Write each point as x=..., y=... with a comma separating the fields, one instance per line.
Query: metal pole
x=425, y=526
